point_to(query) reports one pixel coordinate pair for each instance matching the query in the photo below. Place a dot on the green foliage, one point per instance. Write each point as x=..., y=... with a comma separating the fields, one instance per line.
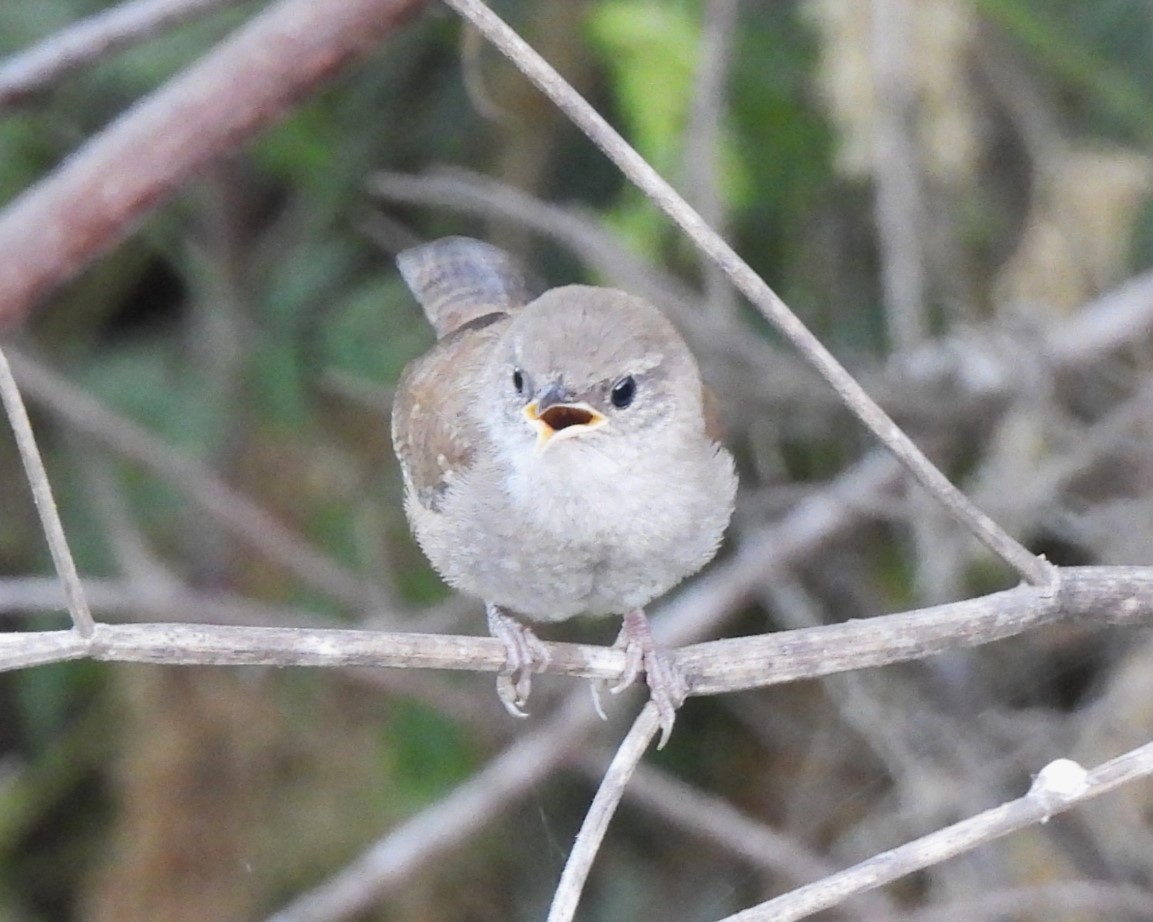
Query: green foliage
x=149, y=382
x=429, y=755
x=651, y=50
x=1096, y=54
x=365, y=334
x=784, y=144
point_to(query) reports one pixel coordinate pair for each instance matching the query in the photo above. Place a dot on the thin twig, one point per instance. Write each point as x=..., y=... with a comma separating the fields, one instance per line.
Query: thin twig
x=715, y=820
x=585, y=117
x=600, y=813
x=84, y=42
x=45, y=504
x=1058, y=787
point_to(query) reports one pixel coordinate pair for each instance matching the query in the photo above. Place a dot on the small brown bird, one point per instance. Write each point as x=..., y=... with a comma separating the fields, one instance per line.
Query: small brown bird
x=555, y=456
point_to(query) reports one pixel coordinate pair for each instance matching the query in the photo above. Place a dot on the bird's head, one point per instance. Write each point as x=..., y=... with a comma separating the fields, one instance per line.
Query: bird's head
x=590, y=366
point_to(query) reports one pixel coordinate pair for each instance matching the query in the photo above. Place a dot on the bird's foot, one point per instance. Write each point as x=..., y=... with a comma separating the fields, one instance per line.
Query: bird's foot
x=667, y=687
x=524, y=655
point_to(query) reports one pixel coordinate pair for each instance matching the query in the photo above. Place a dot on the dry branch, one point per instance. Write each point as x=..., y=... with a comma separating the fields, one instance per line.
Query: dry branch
x=600, y=813
x=1058, y=786
x=1087, y=595
x=45, y=502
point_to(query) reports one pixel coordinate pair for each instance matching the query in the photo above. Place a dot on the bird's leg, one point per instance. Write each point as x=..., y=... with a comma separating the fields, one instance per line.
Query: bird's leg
x=667, y=686
x=524, y=655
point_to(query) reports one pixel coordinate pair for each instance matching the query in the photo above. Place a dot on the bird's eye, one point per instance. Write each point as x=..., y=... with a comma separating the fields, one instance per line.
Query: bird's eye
x=518, y=380
x=623, y=392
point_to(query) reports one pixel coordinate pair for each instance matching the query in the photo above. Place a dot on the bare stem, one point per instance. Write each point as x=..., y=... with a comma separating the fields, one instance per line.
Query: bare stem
x=600, y=813
x=45, y=504
x=1043, y=801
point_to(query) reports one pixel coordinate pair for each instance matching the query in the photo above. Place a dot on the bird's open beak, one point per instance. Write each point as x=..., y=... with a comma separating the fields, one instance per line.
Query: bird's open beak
x=556, y=416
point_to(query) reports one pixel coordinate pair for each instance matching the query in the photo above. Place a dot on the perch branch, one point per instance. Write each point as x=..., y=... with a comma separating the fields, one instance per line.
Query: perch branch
x=1100, y=595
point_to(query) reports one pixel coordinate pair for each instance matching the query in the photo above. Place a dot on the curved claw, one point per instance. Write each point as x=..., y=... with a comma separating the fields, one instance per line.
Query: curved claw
x=510, y=695
x=595, y=687
x=524, y=655
x=667, y=687
x=634, y=649
x=667, y=690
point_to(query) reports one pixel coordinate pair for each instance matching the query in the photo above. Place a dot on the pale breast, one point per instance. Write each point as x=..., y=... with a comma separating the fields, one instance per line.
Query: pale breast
x=586, y=536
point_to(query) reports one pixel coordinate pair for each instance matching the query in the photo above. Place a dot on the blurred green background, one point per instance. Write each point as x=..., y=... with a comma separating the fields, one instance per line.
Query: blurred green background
x=255, y=325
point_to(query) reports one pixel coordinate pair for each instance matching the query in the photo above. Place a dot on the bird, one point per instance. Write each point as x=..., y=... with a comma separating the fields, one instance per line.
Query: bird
x=559, y=457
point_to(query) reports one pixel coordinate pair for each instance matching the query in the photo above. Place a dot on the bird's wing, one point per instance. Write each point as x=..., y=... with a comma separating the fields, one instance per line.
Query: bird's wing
x=435, y=428
x=458, y=279
x=714, y=417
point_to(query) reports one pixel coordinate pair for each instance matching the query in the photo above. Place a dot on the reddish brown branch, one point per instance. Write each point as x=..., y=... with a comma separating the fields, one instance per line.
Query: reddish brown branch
x=249, y=81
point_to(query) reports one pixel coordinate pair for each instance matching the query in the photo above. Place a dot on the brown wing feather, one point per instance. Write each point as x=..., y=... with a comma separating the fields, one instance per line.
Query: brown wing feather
x=434, y=428
x=714, y=419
